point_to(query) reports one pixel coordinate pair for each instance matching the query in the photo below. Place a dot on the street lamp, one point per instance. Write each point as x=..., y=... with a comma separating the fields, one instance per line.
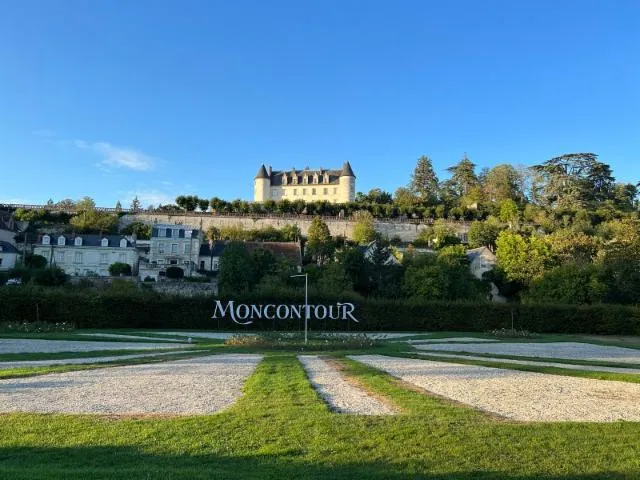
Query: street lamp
x=306, y=301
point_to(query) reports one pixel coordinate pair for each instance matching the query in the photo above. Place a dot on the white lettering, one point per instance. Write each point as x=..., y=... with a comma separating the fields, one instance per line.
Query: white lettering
x=280, y=315
x=324, y=310
x=266, y=315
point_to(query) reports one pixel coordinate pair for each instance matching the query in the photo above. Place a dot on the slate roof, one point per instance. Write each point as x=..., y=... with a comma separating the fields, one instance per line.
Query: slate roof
x=88, y=240
x=334, y=175
x=170, y=228
x=6, y=247
x=476, y=253
x=289, y=251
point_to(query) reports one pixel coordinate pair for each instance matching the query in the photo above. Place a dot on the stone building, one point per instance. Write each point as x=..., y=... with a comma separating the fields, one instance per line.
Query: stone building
x=335, y=186
x=171, y=246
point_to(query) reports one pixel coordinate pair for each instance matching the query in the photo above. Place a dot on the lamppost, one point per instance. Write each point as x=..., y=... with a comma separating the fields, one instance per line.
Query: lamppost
x=306, y=303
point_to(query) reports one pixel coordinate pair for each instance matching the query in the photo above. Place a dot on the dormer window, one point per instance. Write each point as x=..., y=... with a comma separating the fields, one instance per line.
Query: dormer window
x=78, y=241
x=61, y=240
x=294, y=178
x=284, y=179
x=325, y=178
x=187, y=233
x=315, y=178
x=305, y=179
x=104, y=242
x=46, y=240
x=123, y=243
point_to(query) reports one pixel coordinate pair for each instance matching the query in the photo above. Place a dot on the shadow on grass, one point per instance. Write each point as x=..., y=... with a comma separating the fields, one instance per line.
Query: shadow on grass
x=130, y=463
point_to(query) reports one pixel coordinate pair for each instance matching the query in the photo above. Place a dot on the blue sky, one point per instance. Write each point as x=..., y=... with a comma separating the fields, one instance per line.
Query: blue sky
x=111, y=98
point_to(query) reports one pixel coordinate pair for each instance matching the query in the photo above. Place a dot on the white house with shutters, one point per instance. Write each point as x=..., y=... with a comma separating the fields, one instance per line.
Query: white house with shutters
x=85, y=255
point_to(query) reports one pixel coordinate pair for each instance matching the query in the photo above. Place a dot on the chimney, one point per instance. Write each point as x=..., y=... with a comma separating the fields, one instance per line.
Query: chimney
x=270, y=171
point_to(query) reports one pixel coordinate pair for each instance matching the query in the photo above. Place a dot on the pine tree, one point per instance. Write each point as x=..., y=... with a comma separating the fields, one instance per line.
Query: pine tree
x=424, y=182
x=463, y=176
x=135, y=204
x=118, y=206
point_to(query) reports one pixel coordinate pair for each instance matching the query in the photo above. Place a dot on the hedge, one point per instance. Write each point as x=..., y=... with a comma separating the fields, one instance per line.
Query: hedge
x=151, y=310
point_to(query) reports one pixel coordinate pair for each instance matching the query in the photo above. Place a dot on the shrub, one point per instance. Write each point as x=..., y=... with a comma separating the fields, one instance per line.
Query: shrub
x=174, y=272
x=118, y=268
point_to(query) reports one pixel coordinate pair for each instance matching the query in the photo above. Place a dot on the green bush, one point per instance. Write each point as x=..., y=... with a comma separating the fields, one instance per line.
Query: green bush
x=175, y=272
x=118, y=268
x=141, y=309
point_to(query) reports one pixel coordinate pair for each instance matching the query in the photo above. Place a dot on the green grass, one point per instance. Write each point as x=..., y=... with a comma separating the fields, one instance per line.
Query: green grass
x=280, y=429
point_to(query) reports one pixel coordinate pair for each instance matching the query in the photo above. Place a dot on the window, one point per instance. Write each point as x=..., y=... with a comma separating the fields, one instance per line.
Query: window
x=123, y=243
x=201, y=264
x=176, y=233
x=160, y=262
x=335, y=191
x=46, y=240
x=325, y=191
x=274, y=193
x=161, y=232
x=315, y=178
x=61, y=240
x=0, y=261
x=304, y=191
x=173, y=262
x=59, y=257
x=188, y=233
x=104, y=258
x=174, y=248
x=185, y=248
x=160, y=247
x=215, y=265
x=284, y=178
x=104, y=242
x=78, y=241
x=78, y=257
x=313, y=191
x=295, y=192
x=122, y=258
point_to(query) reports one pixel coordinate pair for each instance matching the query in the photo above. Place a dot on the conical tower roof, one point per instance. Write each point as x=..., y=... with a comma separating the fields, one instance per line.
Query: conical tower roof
x=262, y=172
x=347, y=171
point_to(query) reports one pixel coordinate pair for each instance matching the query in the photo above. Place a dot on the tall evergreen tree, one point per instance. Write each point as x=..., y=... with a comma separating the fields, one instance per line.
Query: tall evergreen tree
x=463, y=177
x=135, y=204
x=424, y=182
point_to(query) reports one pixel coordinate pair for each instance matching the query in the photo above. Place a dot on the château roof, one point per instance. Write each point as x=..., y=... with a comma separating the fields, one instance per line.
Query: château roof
x=347, y=171
x=333, y=175
x=262, y=172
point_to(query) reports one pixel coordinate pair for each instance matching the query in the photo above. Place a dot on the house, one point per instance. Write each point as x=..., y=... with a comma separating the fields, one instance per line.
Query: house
x=171, y=245
x=483, y=260
x=209, y=259
x=369, y=250
x=87, y=254
x=336, y=186
x=8, y=255
x=8, y=228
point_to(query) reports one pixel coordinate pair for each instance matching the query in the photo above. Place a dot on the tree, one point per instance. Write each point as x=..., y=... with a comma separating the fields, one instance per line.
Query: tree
x=484, y=234
x=523, y=260
x=463, y=178
x=217, y=204
x=119, y=268
x=237, y=271
x=501, y=183
x=203, y=204
x=570, y=284
x=378, y=196
x=188, y=202
x=569, y=246
x=404, y=199
x=363, y=231
x=139, y=229
x=424, y=182
x=320, y=245
x=135, y=205
x=573, y=180
x=89, y=220
x=118, y=206
x=213, y=233
x=509, y=212
x=35, y=261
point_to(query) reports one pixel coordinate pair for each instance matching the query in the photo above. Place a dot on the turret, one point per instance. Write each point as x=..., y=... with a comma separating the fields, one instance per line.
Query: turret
x=347, y=190
x=262, y=185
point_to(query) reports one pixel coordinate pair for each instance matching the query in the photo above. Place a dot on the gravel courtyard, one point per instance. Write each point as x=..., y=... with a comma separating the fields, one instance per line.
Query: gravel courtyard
x=17, y=345
x=522, y=396
x=193, y=386
x=565, y=350
x=341, y=396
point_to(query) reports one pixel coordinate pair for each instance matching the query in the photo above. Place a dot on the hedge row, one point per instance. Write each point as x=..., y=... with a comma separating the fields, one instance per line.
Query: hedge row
x=150, y=310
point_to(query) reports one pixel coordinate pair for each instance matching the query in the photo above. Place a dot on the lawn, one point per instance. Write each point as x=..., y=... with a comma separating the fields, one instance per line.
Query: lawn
x=281, y=429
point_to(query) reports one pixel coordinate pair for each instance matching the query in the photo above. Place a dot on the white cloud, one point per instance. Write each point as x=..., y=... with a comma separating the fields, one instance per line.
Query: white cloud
x=148, y=197
x=120, y=157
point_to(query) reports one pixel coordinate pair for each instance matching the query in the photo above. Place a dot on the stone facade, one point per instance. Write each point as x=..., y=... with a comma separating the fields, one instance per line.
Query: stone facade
x=335, y=186
x=171, y=245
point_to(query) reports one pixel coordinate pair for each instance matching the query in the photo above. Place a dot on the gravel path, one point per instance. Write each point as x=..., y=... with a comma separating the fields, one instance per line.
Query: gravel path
x=193, y=386
x=341, y=396
x=565, y=350
x=20, y=345
x=80, y=361
x=117, y=335
x=452, y=340
x=522, y=396
x=531, y=362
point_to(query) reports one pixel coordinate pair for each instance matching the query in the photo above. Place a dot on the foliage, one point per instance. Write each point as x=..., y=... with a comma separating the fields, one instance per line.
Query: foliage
x=484, y=234
x=320, y=246
x=570, y=284
x=237, y=271
x=35, y=261
x=295, y=341
x=141, y=230
x=363, y=231
x=510, y=333
x=174, y=273
x=523, y=259
x=119, y=268
x=36, y=327
x=424, y=181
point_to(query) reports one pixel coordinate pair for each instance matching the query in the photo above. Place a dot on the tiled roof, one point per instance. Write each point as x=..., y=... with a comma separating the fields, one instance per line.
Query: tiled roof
x=171, y=228
x=480, y=252
x=333, y=175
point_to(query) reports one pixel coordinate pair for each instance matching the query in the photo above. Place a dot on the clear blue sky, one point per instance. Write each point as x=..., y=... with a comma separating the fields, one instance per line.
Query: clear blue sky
x=112, y=98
